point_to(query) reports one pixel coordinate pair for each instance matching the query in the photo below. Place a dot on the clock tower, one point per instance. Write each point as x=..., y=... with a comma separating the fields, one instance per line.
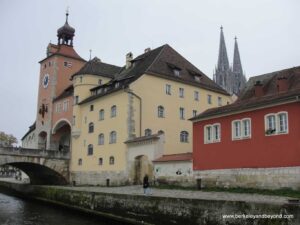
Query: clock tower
x=55, y=72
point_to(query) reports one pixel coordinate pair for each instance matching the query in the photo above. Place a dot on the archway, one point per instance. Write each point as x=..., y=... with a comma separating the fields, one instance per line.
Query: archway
x=42, y=140
x=61, y=134
x=142, y=166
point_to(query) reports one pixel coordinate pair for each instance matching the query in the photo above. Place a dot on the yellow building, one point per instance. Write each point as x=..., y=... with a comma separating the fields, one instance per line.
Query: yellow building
x=126, y=117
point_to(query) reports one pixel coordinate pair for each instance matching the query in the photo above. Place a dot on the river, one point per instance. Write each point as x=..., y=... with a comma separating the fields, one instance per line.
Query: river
x=16, y=211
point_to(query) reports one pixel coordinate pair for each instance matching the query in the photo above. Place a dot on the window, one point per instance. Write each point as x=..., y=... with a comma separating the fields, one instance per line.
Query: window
x=161, y=132
x=212, y=133
x=68, y=64
x=117, y=85
x=194, y=113
x=181, y=92
x=168, y=89
x=81, y=79
x=111, y=160
x=160, y=111
x=113, y=137
x=100, y=161
x=209, y=99
x=91, y=108
x=181, y=113
x=101, y=139
x=176, y=72
x=91, y=127
x=197, y=78
x=76, y=100
x=90, y=149
x=184, y=136
x=99, y=81
x=241, y=129
x=79, y=162
x=219, y=101
x=148, y=132
x=113, y=111
x=276, y=123
x=58, y=107
x=65, y=105
x=196, y=95
x=101, y=114
x=282, y=117
x=73, y=120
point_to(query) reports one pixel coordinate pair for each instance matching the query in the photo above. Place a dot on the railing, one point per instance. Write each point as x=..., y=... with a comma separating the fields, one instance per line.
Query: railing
x=35, y=152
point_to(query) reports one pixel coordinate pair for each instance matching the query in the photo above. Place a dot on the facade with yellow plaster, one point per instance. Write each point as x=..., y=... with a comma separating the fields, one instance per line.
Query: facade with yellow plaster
x=137, y=114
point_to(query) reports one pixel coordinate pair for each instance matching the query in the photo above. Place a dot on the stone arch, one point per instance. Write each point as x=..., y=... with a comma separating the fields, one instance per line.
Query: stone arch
x=61, y=134
x=142, y=166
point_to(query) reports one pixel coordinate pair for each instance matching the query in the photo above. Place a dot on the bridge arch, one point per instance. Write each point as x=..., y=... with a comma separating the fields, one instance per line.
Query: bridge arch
x=42, y=167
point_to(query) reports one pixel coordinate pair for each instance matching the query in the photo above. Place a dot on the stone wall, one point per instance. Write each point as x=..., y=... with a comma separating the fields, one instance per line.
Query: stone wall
x=103, y=178
x=139, y=209
x=263, y=178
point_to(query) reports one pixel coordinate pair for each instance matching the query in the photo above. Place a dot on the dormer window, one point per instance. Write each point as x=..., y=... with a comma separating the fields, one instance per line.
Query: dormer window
x=176, y=72
x=197, y=78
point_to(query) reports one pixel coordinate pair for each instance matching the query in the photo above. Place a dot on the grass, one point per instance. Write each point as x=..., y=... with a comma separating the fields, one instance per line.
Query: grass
x=286, y=192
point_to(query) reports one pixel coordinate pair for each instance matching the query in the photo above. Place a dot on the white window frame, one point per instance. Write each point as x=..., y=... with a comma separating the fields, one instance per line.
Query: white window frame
x=277, y=124
x=181, y=113
x=168, y=89
x=212, y=133
x=113, y=137
x=101, y=139
x=181, y=92
x=220, y=101
x=101, y=114
x=113, y=111
x=160, y=111
x=184, y=136
x=209, y=99
x=242, y=130
x=196, y=95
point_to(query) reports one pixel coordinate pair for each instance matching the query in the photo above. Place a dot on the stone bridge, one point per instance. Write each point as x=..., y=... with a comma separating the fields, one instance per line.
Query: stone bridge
x=44, y=167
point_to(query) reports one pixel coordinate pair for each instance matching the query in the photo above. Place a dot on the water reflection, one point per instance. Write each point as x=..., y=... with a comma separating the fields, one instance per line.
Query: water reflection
x=15, y=211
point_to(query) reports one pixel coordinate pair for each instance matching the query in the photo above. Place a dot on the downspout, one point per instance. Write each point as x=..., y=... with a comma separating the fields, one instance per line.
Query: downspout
x=140, y=99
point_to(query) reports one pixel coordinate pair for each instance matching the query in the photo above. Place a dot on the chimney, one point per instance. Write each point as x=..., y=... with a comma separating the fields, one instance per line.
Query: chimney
x=282, y=84
x=147, y=50
x=129, y=57
x=259, y=92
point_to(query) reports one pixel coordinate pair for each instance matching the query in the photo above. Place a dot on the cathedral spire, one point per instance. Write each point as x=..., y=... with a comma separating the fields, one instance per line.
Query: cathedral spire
x=237, y=69
x=223, y=63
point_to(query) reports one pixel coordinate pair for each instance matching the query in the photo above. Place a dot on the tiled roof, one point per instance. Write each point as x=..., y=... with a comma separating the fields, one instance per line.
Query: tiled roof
x=63, y=50
x=66, y=93
x=161, y=62
x=175, y=157
x=248, y=100
x=96, y=67
x=143, y=138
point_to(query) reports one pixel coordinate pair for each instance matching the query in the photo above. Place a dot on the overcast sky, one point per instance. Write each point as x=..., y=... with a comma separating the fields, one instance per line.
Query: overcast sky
x=268, y=34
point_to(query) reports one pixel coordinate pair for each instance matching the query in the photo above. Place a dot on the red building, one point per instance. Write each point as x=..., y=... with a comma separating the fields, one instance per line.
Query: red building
x=254, y=142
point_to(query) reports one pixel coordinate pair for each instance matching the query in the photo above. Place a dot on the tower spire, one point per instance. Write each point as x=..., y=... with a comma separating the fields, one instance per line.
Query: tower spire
x=67, y=14
x=237, y=69
x=223, y=74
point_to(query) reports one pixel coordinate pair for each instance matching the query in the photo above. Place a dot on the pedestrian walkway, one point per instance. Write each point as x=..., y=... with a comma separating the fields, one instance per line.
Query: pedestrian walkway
x=186, y=194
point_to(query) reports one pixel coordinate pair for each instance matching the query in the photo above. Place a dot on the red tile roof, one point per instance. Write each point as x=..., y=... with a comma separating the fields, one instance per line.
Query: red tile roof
x=175, y=157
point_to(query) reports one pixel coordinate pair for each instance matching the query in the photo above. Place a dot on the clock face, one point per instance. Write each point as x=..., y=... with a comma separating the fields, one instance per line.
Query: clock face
x=46, y=80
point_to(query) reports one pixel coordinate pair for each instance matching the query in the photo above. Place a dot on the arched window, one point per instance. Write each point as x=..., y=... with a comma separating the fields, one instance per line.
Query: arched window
x=111, y=160
x=79, y=162
x=161, y=132
x=101, y=114
x=113, y=111
x=90, y=149
x=148, y=132
x=100, y=161
x=160, y=111
x=113, y=137
x=184, y=136
x=101, y=139
x=91, y=127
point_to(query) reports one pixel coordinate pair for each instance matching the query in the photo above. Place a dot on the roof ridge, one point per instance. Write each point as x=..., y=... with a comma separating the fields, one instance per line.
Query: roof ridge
x=157, y=57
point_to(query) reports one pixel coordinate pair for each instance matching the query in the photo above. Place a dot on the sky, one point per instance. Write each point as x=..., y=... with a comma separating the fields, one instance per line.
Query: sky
x=267, y=30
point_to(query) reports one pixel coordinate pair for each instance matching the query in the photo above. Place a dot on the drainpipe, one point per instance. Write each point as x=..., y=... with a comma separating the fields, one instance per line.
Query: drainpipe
x=140, y=99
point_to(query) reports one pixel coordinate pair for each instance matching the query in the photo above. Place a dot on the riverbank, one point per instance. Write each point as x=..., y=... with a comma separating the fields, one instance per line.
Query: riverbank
x=164, y=206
